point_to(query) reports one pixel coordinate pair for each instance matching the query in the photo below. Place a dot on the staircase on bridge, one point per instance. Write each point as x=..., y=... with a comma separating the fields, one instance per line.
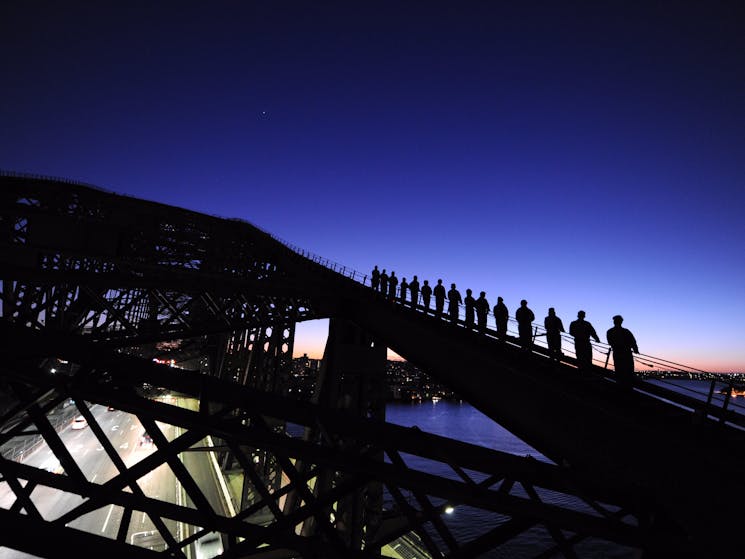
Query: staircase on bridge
x=104, y=284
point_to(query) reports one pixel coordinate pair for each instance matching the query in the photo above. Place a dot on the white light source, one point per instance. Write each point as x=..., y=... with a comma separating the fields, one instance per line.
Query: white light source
x=449, y=509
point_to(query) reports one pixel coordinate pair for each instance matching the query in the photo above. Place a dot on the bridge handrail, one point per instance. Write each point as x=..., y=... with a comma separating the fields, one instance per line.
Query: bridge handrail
x=346, y=271
x=37, y=176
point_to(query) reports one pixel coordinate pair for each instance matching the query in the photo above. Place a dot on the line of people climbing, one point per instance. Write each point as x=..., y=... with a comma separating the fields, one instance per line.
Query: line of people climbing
x=620, y=339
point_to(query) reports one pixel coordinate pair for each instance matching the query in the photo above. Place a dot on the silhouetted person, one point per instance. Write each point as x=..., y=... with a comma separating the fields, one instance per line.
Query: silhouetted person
x=525, y=318
x=375, y=279
x=501, y=317
x=623, y=343
x=470, y=304
x=404, y=291
x=426, y=295
x=582, y=331
x=554, y=328
x=482, y=311
x=392, y=283
x=414, y=288
x=384, y=283
x=439, y=298
x=454, y=299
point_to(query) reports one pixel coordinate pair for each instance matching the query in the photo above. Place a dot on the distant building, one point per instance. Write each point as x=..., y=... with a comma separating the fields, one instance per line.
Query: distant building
x=303, y=375
x=406, y=383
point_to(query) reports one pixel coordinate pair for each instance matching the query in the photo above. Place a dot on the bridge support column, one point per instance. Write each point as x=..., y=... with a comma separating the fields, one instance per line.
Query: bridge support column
x=352, y=374
x=352, y=377
x=260, y=358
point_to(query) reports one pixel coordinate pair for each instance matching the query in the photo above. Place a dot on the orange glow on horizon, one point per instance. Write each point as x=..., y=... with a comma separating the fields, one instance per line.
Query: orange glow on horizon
x=712, y=366
x=315, y=352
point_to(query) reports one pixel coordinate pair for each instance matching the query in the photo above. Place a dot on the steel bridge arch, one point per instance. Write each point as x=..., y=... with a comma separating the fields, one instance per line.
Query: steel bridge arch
x=106, y=283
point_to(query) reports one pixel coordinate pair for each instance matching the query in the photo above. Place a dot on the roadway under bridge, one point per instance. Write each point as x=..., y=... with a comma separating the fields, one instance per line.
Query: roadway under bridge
x=100, y=291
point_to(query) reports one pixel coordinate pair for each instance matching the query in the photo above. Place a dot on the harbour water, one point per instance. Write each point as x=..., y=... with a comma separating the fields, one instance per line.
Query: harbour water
x=462, y=422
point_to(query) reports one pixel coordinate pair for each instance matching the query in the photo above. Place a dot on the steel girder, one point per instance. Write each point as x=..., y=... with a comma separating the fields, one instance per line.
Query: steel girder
x=516, y=493
x=128, y=272
x=133, y=274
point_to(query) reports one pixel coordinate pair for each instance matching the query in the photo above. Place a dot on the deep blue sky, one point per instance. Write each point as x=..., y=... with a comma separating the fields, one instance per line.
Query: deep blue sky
x=577, y=154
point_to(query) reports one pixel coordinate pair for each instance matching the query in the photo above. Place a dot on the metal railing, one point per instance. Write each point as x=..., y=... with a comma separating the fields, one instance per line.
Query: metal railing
x=36, y=176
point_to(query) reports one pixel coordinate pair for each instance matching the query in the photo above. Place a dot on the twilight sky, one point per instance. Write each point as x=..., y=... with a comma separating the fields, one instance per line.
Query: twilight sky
x=581, y=155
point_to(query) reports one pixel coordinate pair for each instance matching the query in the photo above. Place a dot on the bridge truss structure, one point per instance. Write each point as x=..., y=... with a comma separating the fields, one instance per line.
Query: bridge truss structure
x=100, y=294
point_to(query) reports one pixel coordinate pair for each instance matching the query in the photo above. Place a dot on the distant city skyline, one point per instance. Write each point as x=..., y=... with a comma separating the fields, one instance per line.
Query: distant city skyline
x=586, y=156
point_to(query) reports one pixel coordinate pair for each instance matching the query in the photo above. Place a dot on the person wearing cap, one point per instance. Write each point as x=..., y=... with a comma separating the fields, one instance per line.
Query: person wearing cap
x=582, y=331
x=482, y=311
x=404, y=291
x=375, y=278
x=414, y=288
x=525, y=318
x=439, y=292
x=454, y=299
x=426, y=295
x=623, y=343
x=384, y=283
x=501, y=316
x=470, y=302
x=554, y=328
x=392, y=284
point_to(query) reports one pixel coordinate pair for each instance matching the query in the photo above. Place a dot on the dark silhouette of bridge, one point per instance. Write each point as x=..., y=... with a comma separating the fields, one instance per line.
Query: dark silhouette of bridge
x=99, y=289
